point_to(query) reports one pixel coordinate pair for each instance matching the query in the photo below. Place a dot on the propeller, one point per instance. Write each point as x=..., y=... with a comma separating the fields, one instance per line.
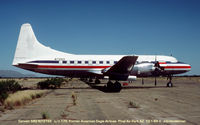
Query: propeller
x=157, y=69
x=157, y=66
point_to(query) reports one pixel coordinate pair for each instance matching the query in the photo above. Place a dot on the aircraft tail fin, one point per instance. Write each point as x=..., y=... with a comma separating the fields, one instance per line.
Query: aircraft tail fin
x=28, y=47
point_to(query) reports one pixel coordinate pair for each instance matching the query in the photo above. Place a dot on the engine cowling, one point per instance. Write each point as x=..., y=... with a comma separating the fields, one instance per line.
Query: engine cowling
x=148, y=69
x=144, y=69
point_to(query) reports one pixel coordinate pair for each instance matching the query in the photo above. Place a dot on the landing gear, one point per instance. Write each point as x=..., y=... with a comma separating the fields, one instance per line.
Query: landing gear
x=170, y=84
x=116, y=87
x=90, y=80
x=155, y=82
x=97, y=81
x=110, y=85
x=142, y=81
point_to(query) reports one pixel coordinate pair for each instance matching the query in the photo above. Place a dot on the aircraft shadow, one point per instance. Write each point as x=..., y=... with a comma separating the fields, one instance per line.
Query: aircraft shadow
x=104, y=88
x=101, y=88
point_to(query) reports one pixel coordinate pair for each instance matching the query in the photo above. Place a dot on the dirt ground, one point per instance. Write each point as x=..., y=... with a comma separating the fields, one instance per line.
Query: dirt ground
x=150, y=105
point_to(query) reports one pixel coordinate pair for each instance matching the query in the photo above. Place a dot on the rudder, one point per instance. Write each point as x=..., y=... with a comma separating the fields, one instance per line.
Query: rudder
x=28, y=47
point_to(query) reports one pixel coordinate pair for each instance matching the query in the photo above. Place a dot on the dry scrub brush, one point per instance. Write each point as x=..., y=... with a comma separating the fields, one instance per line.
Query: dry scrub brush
x=22, y=97
x=45, y=115
x=7, y=87
x=74, y=98
x=133, y=105
x=51, y=83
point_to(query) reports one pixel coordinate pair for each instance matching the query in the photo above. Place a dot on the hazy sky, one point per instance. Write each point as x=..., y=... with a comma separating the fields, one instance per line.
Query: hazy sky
x=161, y=27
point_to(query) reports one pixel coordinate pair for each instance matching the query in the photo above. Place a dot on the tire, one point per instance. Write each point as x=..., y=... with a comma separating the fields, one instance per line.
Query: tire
x=90, y=80
x=97, y=81
x=110, y=86
x=117, y=87
x=169, y=84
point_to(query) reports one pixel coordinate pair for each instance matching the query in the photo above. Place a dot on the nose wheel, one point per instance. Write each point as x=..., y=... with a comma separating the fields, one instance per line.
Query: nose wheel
x=170, y=84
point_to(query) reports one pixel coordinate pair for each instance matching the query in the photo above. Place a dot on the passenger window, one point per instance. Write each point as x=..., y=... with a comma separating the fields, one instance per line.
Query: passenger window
x=100, y=62
x=107, y=62
x=115, y=62
x=93, y=62
x=79, y=62
x=71, y=62
x=86, y=62
x=64, y=61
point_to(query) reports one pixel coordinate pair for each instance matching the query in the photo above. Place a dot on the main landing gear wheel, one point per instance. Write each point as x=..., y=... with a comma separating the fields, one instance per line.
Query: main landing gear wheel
x=97, y=81
x=116, y=87
x=90, y=80
x=110, y=85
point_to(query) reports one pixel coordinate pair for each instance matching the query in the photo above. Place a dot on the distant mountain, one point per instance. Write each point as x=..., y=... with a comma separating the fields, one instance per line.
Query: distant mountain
x=11, y=73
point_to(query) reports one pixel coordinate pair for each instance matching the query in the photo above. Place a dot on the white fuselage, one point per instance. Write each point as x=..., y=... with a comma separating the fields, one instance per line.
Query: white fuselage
x=92, y=65
x=31, y=55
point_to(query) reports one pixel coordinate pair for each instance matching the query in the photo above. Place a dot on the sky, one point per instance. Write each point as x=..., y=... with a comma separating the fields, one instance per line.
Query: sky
x=152, y=27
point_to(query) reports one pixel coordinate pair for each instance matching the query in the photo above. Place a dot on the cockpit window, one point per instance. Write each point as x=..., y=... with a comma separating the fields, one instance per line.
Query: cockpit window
x=180, y=62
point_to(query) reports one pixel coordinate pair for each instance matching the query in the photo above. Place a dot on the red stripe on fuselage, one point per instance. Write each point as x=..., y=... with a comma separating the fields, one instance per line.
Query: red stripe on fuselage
x=162, y=63
x=177, y=67
x=79, y=67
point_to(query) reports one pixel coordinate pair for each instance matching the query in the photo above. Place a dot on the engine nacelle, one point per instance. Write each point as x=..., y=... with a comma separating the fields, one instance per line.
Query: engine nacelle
x=143, y=69
x=148, y=69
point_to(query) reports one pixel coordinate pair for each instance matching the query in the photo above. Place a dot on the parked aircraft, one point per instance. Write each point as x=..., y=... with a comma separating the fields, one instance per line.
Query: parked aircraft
x=31, y=55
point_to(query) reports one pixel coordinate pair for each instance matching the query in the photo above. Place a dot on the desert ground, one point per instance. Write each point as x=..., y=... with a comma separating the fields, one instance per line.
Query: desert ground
x=80, y=103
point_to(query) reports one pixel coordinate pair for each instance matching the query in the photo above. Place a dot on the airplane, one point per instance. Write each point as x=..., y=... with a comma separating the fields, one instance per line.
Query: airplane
x=31, y=55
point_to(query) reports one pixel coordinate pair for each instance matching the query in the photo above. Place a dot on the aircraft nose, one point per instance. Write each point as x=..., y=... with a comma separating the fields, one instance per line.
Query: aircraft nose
x=187, y=66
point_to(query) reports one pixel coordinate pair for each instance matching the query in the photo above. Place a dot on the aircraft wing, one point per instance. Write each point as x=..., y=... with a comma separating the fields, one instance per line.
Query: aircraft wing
x=121, y=70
